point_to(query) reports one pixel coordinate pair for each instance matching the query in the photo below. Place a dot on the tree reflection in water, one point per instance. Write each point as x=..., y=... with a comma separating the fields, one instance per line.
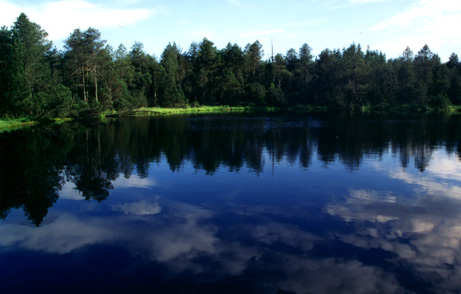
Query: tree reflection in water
x=271, y=212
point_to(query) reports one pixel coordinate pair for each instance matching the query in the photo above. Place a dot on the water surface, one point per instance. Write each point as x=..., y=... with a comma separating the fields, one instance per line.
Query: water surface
x=233, y=204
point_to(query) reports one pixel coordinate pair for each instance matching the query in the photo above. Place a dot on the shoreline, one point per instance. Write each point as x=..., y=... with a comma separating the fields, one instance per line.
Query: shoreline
x=14, y=124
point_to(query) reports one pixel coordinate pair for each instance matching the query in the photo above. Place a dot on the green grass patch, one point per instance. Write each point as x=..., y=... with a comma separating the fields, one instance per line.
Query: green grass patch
x=7, y=125
x=202, y=109
x=152, y=111
x=454, y=108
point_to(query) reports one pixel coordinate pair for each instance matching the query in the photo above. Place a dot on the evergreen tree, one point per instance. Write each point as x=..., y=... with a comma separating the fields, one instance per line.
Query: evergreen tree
x=303, y=74
x=83, y=52
x=231, y=79
x=38, y=80
x=408, y=89
x=354, y=73
x=327, y=79
x=10, y=73
x=206, y=67
x=425, y=63
x=377, y=80
x=454, y=68
x=32, y=90
x=141, y=87
x=171, y=94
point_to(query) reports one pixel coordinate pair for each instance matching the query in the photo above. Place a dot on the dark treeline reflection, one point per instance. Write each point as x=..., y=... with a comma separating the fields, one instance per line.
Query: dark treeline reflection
x=35, y=163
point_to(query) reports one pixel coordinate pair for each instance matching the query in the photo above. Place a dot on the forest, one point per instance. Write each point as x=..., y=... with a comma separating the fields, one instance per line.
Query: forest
x=89, y=76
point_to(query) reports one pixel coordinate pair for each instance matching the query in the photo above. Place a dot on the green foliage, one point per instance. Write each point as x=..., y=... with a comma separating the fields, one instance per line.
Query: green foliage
x=170, y=91
x=89, y=77
x=256, y=94
x=439, y=102
x=29, y=85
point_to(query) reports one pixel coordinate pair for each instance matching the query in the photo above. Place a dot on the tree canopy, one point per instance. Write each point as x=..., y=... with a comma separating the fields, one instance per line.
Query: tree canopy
x=90, y=76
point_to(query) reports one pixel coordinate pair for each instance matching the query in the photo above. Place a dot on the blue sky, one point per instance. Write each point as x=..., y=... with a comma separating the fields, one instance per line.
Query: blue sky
x=385, y=25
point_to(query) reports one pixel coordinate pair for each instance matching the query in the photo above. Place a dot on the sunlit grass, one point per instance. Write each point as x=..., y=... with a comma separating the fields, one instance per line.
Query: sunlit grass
x=7, y=125
x=151, y=111
x=201, y=109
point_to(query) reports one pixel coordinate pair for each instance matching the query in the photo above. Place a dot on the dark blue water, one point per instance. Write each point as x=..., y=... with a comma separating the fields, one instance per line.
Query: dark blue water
x=233, y=204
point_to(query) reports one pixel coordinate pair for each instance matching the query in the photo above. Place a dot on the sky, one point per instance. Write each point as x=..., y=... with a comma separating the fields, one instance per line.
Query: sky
x=384, y=25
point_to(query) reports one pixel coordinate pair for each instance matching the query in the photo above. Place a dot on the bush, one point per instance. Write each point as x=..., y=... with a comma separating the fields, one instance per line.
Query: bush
x=439, y=101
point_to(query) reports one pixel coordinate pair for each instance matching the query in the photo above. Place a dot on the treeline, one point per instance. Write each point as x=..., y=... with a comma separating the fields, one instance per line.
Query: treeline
x=89, y=76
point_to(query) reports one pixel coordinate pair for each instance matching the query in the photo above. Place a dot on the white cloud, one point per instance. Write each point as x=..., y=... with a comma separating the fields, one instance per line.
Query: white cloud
x=429, y=185
x=61, y=236
x=427, y=22
x=445, y=167
x=134, y=182
x=424, y=11
x=69, y=191
x=138, y=208
x=430, y=226
x=9, y=12
x=60, y=18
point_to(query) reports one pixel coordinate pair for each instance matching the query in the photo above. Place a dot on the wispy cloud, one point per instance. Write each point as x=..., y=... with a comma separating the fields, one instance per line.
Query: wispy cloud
x=60, y=18
x=434, y=23
x=429, y=13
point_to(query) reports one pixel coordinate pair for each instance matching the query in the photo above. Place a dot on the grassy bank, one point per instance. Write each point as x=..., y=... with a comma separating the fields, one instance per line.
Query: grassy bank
x=409, y=109
x=7, y=125
x=13, y=124
x=202, y=109
x=152, y=111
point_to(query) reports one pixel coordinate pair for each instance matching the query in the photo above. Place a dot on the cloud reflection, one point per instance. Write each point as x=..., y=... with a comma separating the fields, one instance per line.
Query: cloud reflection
x=185, y=238
x=138, y=208
x=421, y=233
x=63, y=235
x=424, y=233
x=134, y=181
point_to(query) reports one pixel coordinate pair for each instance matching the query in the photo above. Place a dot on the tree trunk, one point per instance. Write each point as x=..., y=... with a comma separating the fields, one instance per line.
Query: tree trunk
x=95, y=84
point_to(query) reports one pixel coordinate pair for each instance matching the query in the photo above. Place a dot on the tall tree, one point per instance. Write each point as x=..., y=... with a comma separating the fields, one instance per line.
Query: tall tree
x=32, y=43
x=253, y=59
x=10, y=73
x=327, y=79
x=171, y=93
x=425, y=64
x=354, y=73
x=454, y=68
x=303, y=71
x=230, y=75
x=377, y=79
x=206, y=68
x=33, y=90
x=408, y=89
x=83, y=52
x=143, y=63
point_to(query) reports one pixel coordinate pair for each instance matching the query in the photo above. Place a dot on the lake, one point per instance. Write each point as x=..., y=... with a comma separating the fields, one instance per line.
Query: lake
x=234, y=203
